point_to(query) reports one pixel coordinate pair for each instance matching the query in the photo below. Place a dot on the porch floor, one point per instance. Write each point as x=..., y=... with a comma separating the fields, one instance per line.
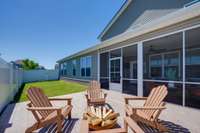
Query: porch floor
x=16, y=118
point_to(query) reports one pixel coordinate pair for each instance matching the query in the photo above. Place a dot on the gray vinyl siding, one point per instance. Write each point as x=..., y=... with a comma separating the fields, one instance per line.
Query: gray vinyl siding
x=140, y=12
x=94, y=67
x=170, y=29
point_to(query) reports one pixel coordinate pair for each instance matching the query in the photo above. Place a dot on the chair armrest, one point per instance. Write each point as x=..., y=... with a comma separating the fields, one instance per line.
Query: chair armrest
x=127, y=98
x=44, y=108
x=149, y=108
x=68, y=99
x=60, y=99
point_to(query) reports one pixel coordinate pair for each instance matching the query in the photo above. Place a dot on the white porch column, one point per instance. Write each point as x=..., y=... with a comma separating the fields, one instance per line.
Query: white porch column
x=140, y=69
x=98, y=66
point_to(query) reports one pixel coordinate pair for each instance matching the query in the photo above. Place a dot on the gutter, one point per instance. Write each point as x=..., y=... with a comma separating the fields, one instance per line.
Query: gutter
x=173, y=18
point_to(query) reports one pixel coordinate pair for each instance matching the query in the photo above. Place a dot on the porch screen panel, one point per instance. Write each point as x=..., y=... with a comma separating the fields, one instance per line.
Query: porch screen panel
x=104, y=70
x=192, y=59
x=162, y=60
x=130, y=69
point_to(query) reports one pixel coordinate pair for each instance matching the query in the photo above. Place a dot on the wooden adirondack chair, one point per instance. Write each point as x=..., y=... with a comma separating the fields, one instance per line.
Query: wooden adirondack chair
x=95, y=95
x=151, y=109
x=43, y=110
x=94, y=85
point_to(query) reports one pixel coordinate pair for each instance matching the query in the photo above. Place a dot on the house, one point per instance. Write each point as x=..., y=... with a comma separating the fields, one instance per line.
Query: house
x=17, y=63
x=147, y=43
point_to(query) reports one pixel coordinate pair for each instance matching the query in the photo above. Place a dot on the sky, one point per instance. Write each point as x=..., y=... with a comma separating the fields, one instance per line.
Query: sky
x=48, y=30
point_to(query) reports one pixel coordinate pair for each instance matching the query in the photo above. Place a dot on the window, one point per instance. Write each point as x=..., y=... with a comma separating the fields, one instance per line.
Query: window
x=74, y=67
x=61, y=69
x=65, y=68
x=165, y=66
x=156, y=66
x=86, y=64
x=83, y=64
x=171, y=66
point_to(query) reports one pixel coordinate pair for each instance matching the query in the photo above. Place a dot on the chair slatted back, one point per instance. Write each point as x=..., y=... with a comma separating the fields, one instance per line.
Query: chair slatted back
x=155, y=99
x=39, y=99
x=95, y=93
x=94, y=85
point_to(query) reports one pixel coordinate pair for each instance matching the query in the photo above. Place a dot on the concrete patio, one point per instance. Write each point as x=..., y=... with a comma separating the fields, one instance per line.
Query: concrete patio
x=16, y=118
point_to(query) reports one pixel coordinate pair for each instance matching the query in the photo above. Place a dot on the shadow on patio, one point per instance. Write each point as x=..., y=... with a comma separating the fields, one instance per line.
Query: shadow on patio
x=6, y=116
x=68, y=125
x=172, y=128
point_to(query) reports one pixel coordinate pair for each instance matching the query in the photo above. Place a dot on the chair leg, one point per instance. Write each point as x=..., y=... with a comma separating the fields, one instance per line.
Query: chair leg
x=154, y=124
x=158, y=126
x=161, y=127
x=59, y=122
x=59, y=126
x=70, y=115
x=32, y=128
x=125, y=126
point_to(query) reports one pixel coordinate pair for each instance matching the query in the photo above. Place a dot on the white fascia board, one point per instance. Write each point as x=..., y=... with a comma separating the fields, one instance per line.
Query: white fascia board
x=168, y=20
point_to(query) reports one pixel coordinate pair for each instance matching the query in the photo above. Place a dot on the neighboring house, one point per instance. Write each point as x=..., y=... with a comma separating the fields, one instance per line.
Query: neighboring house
x=17, y=63
x=147, y=43
x=41, y=67
x=56, y=67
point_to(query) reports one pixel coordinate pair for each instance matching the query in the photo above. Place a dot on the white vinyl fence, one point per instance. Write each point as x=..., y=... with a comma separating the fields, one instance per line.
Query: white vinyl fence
x=12, y=78
x=40, y=75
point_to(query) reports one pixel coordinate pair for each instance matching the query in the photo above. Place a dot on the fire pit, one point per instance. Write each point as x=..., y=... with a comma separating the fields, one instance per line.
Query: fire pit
x=100, y=118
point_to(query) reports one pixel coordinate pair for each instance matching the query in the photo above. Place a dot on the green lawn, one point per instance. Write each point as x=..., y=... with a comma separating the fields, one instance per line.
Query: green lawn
x=52, y=88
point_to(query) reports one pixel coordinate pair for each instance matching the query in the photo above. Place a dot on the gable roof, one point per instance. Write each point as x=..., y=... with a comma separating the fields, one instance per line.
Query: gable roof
x=165, y=21
x=115, y=17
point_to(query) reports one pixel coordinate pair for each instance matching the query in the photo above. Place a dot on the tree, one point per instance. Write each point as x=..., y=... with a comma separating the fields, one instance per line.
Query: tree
x=29, y=64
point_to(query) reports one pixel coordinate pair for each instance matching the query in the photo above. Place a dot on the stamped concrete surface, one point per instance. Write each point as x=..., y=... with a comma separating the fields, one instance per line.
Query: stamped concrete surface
x=15, y=118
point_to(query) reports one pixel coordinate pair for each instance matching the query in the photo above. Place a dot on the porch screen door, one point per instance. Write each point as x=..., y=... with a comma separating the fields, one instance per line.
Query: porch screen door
x=115, y=74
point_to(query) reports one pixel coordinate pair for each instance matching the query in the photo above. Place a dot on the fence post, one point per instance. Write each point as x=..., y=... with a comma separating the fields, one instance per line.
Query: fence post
x=11, y=95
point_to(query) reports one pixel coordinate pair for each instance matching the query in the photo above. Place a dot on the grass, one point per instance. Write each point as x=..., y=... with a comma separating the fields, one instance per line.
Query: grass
x=51, y=88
